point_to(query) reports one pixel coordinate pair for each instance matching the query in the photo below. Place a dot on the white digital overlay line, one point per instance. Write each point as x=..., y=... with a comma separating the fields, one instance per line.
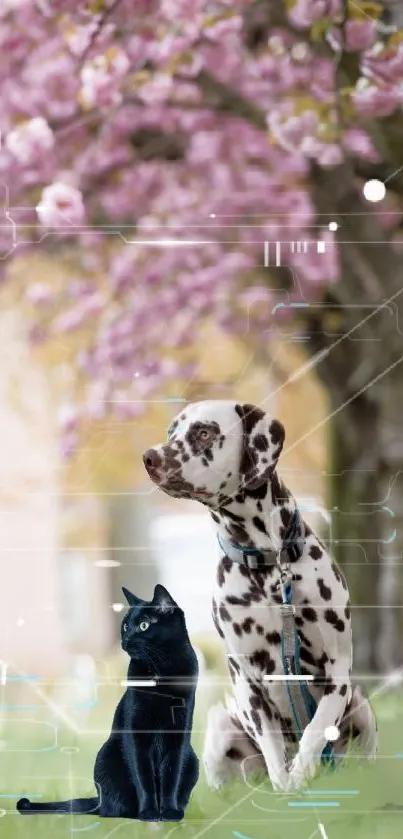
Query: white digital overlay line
x=138, y=683
x=291, y=678
x=322, y=830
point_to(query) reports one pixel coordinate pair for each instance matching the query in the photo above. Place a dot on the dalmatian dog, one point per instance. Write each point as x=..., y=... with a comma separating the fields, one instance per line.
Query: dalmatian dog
x=225, y=455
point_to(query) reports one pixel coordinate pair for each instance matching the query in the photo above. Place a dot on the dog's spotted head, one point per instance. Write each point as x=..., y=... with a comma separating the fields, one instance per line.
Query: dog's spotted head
x=216, y=449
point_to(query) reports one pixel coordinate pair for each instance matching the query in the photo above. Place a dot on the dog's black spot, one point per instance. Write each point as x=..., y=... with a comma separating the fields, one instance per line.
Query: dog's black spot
x=220, y=575
x=307, y=657
x=247, y=625
x=256, y=701
x=259, y=524
x=236, y=519
x=260, y=442
x=215, y=620
x=343, y=690
x=259, y=629
x=303, y=638
x=234, y=754
x=324, y=590
x=263, y=660
x=238, y=534
x=273, y=638
x=315, y=552
x=226, y=564
x=250, y=416
x=215, y=518
x=347, y=612
x=244, y=600
x=234, y=664
x=285, y=516
x=330, y=687
x=338, y=574
x=322, y=661
x=332, y=617
x=224, y=613
x=309, y=614
x=259, y=493
x=237, y=629
x=256, y=720
x=277, y=432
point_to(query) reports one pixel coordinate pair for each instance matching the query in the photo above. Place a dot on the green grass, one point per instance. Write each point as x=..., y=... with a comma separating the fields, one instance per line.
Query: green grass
x=254, y=813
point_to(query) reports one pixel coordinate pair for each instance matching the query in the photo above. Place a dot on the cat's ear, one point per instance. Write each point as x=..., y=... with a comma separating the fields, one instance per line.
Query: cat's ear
x=163, y=600
x=131, y=598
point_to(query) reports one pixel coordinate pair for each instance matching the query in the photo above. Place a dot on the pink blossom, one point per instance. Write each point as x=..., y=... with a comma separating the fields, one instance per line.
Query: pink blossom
x=383, y=64
x=157, y=89
x=69, y=320
x=371, y=101
x=290, y=133
x=356, y=141
x=223, y=29
x=69, y=443
x=30, y=140
x=134, y=147
x=100, y=79
x=62, y=205
x=38, y=294
x=360, y=34
x=304, y=13
x=11, y=6
x=68, y=417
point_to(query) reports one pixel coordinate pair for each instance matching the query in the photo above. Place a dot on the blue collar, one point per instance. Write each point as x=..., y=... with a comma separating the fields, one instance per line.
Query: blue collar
x=291, y=551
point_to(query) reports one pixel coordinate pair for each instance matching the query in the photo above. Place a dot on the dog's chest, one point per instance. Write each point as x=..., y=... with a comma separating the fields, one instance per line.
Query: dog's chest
x=247, y=613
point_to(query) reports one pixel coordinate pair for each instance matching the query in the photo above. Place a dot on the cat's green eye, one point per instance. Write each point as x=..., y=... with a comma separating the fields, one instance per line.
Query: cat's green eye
x=144, y=625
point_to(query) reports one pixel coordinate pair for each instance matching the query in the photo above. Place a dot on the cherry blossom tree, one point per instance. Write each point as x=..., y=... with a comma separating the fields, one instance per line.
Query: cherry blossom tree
x=157, y=146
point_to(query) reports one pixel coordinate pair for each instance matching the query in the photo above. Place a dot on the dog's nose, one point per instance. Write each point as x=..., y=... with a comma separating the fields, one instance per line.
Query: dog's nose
x=151, y=459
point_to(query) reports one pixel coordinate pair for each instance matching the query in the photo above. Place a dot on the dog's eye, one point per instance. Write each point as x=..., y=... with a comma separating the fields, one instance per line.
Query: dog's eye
x=125, y=627
x=144, y=625
x=204, y=434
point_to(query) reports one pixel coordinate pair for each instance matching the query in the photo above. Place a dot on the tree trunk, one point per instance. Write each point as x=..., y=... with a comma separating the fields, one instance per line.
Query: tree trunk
x=356, y=489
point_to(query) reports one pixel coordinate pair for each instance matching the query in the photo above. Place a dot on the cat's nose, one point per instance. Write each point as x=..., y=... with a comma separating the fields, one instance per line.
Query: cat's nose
x=151, y=459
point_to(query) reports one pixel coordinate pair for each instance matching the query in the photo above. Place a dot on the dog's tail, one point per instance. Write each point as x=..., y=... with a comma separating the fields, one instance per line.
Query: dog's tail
x=85, y=806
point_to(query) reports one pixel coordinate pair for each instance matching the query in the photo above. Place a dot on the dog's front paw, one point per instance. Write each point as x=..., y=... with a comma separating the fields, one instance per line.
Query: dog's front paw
x=213, y=780
x=302, y=771
x=279, y=780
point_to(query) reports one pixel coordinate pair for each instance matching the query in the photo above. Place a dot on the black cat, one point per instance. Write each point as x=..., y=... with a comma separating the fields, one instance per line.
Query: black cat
x=147, y=768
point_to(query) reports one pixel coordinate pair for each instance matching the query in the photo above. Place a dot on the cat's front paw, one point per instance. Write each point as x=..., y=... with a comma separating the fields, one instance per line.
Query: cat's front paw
x=149, y=814
x=171, y=814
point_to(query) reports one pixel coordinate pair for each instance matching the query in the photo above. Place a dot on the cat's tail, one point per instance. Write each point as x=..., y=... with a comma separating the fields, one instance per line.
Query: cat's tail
x=85, y=806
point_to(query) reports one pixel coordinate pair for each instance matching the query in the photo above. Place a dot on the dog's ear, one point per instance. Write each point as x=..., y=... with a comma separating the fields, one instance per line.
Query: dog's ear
x=263, y=440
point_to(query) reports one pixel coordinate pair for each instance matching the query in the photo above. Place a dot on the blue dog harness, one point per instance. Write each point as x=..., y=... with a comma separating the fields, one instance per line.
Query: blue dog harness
x=303, y=705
